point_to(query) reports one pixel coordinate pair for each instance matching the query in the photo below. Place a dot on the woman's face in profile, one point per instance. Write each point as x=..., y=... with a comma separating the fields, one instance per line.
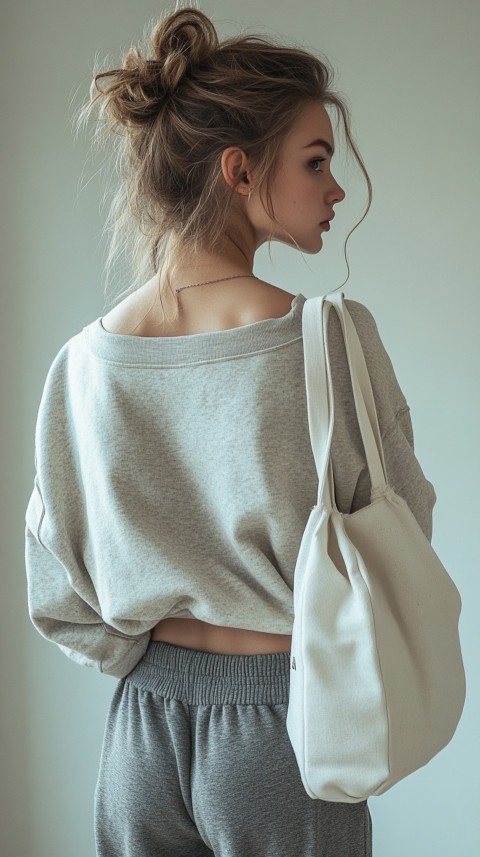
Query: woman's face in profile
x=304, y=190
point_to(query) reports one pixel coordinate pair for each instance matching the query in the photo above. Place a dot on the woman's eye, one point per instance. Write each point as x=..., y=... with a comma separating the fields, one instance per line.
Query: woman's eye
x=318, y=161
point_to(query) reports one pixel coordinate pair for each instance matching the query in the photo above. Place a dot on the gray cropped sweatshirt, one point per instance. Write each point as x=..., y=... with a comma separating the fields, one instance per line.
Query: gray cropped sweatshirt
x=175, y=477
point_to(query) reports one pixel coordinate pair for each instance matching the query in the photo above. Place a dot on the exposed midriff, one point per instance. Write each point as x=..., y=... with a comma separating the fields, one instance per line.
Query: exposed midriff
x=196, y=634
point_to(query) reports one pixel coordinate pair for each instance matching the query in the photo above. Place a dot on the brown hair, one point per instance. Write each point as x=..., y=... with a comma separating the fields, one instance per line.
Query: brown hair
x=173, y=113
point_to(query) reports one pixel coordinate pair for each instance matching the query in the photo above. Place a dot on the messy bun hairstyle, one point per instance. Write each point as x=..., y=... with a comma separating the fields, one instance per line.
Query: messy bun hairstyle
x=173, y=107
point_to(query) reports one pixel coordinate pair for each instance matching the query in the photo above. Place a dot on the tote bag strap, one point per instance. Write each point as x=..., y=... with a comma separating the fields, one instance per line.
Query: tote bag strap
x=320, y=400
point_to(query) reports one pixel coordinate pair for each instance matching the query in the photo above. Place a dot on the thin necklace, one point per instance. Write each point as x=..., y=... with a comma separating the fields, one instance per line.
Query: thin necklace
x=207, y=282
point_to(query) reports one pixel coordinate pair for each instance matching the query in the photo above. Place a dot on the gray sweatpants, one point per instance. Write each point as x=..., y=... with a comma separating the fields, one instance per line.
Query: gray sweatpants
x=196, y=760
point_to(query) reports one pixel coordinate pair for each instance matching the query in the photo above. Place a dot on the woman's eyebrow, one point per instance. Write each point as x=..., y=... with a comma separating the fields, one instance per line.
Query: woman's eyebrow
x=323, y=143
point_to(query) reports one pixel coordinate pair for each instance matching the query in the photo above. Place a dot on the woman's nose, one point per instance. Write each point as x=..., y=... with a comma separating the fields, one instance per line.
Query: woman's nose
x=337, y=194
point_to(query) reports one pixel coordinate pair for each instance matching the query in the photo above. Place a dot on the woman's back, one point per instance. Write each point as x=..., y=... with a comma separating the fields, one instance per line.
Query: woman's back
x=191, y=477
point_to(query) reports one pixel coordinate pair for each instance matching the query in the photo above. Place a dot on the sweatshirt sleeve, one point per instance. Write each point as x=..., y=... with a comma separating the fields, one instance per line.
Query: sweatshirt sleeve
x=404, y=472
x=62, y=600
x=65, y=610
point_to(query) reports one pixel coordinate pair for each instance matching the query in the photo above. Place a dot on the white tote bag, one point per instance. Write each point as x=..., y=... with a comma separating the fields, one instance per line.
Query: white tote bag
x=377, y=683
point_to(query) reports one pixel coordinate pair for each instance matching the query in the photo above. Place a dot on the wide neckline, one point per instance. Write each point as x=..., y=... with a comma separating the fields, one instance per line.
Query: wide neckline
x=202, y=333
x=196, y=347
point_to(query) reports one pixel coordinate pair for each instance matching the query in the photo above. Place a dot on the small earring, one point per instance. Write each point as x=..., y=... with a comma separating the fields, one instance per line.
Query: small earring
x=249, y=195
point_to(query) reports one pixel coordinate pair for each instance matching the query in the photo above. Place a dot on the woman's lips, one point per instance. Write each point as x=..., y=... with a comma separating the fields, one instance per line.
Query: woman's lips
x=326, y=225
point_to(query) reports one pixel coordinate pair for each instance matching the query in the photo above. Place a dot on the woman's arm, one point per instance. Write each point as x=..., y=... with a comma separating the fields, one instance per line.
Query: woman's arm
x=62, y=601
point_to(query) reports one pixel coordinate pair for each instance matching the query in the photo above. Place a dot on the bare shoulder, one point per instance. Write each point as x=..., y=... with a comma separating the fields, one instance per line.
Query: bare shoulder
x=127, y=317
x=138, y=313
x=270, y=302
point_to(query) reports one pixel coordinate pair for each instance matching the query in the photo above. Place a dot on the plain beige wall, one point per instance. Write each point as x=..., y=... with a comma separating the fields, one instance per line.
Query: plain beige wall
x=410, y=71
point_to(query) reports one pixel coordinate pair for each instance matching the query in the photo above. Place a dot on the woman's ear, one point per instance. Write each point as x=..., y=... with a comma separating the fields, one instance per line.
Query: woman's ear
x=234, y=162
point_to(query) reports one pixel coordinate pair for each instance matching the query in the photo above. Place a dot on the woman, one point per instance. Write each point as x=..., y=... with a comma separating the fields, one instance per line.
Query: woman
x=174, y=472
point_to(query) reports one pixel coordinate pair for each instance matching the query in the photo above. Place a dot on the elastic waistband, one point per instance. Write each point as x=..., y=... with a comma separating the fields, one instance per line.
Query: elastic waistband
x=208, y=678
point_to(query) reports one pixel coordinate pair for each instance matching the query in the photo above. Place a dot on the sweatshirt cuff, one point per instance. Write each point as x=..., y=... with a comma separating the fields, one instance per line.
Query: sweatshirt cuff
x=123, y=655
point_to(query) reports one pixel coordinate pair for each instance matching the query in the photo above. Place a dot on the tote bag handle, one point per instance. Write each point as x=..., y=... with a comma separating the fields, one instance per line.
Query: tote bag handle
x=319, y=389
